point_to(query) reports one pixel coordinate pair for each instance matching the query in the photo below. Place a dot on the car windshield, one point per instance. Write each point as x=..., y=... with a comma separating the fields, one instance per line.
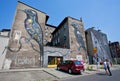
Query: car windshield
x=77, y=62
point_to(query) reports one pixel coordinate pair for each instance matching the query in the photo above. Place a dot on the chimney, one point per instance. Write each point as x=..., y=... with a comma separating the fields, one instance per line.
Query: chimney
x=81, y=19
x=99, y=30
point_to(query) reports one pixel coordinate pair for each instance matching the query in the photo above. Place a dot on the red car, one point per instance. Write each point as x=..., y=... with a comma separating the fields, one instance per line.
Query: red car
x=71, y=66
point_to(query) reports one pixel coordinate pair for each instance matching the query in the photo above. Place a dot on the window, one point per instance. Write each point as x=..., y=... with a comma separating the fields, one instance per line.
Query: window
x=65, y=37
x=65, y=26
x=46, y=27
x=77, y=62
x=53, y=43
x=46, y=33
x=58, y=40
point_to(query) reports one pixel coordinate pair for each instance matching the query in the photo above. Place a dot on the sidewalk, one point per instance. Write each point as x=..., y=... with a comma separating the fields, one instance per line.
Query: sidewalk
x=42, y=73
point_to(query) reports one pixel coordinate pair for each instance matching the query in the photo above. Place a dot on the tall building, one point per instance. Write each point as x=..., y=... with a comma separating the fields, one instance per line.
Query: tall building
x=70, y=34
x=27, y=37
x=115, y=51
x=97, y=46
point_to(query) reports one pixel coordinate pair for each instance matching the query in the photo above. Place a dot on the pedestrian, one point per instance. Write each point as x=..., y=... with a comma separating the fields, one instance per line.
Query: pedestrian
x=107, y=66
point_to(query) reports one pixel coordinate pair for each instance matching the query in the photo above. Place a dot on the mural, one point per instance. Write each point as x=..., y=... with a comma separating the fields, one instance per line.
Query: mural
x=99, y=42
x=34, y=29
x=78, y=35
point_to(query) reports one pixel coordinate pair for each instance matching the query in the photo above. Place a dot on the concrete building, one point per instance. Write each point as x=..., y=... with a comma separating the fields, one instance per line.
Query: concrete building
x=4, y=38
x=70, y=34
x=115, y=51
x=97, y=46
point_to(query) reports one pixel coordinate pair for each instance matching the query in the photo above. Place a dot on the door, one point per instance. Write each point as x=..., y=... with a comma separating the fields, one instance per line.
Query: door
x=54, y=60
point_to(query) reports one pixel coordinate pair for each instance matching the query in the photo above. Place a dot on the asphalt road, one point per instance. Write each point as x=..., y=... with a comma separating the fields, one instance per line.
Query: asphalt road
x=97, y=77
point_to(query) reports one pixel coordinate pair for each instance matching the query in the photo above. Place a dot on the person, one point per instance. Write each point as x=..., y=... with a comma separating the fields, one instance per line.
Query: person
x=107, y=67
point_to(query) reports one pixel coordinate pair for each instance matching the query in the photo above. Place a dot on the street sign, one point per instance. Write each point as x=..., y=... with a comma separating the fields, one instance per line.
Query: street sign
x=94, y=50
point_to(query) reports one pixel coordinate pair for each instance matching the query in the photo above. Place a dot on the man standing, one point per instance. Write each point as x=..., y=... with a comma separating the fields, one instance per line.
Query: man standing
x=107, y=67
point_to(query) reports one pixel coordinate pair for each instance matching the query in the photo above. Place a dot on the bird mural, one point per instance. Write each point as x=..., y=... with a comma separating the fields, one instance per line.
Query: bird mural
x=78, y=35
x=34, y=29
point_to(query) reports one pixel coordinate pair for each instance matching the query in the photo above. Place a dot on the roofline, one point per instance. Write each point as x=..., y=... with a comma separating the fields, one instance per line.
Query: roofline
x=73, y=18
x=51, y=26
x=64, y=20
x=5, y=30
x=59, y=26
x=47, y=17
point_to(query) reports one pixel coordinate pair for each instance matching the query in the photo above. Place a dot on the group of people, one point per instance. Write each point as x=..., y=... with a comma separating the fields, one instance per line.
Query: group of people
x=107, y=64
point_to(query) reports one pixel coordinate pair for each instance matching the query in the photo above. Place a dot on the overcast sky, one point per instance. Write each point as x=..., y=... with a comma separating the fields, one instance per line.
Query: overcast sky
x=101, y=14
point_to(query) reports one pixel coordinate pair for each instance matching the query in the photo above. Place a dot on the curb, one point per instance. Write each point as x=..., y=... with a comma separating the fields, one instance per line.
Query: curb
x=51, y=74
x=20, y=70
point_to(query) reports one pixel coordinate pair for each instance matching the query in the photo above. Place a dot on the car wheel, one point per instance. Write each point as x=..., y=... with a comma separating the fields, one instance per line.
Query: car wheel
x=70, y=71
x=58, y=68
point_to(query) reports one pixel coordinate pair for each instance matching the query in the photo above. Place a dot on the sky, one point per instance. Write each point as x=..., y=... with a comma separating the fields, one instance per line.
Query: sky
x=104, y=15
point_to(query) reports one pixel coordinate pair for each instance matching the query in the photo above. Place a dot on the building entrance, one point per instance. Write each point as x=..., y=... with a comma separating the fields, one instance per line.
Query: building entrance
x=54, y=60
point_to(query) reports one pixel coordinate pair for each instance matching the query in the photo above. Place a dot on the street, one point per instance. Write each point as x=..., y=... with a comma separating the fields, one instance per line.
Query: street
x=97, y=77
x=51, y=74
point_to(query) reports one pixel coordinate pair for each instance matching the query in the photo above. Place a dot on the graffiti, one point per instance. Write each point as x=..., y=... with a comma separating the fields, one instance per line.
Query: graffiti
x=78, y=35
x=58, y=52
x=25, y=60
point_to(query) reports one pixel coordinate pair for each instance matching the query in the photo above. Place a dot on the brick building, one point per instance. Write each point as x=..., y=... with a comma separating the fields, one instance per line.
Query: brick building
x=23, y=50
x=34, y=43
x=70, y=34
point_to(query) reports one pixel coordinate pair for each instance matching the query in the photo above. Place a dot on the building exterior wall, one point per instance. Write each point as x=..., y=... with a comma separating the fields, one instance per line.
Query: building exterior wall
x=3, y=44
x=77, y=39
x=4, y=33
x=48, y=34
x=70, y=34
x=4, y=38
x=97, y=40
x=61, y=35
x=24, y=51
x=115, y=51
x=55, y=52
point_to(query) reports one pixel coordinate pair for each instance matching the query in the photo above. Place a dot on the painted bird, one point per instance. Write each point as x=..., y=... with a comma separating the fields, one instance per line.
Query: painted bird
x=78, y=36
x=34, y=28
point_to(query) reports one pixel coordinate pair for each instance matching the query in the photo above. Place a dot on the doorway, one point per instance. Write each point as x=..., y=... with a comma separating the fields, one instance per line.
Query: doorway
x=54, y=60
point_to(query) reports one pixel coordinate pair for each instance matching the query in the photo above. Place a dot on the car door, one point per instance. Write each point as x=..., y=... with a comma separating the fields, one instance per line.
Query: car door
x=67, y=65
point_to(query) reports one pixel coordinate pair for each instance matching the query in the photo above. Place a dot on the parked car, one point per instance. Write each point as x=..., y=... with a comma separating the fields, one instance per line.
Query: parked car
x=71, y=66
